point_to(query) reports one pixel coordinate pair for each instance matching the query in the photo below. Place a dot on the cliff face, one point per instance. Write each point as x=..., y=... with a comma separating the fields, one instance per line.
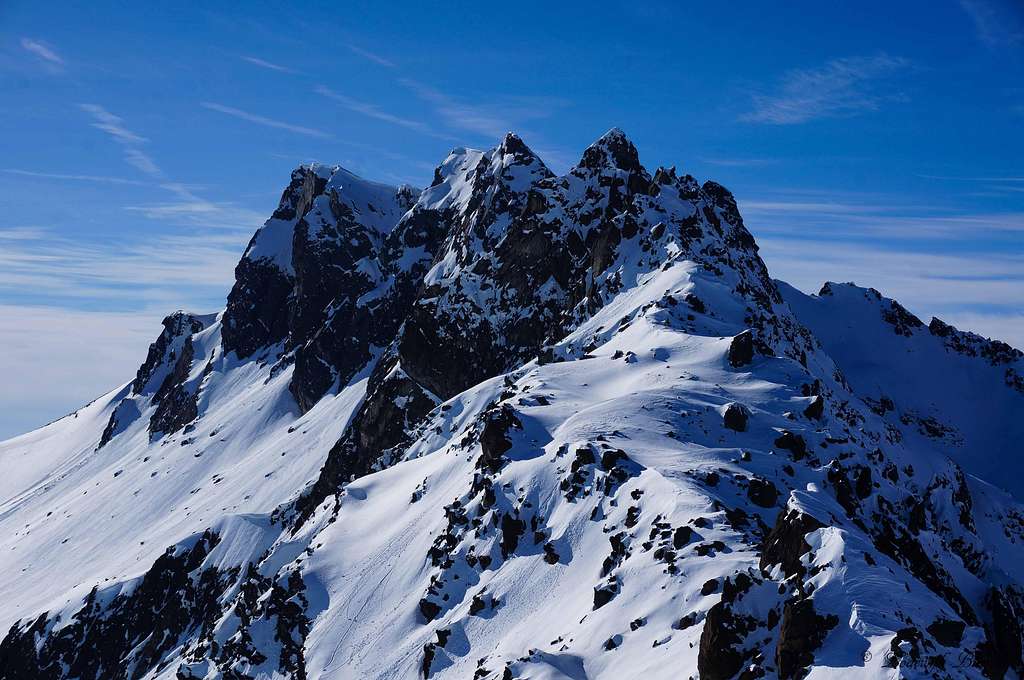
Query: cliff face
x=526, y=425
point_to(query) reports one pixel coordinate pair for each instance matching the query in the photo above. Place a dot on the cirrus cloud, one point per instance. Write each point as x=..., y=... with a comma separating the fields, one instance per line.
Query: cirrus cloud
x=839, y=88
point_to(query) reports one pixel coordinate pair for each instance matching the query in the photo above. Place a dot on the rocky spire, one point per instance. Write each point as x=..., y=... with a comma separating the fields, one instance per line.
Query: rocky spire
x=612, y=149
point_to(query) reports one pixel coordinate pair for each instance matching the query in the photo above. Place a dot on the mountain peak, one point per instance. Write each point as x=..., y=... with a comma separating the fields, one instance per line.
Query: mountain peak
x=612, y=149
x=513, y=143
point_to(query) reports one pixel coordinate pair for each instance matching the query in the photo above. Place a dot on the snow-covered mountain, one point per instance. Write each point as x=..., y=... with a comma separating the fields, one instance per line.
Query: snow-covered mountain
x=520, y=425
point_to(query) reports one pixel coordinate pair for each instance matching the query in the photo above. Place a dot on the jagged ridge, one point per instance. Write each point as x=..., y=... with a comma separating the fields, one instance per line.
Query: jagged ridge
x=531, y=370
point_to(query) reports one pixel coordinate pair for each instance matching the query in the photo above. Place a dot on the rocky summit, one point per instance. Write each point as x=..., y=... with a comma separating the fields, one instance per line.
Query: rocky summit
x=525, y=425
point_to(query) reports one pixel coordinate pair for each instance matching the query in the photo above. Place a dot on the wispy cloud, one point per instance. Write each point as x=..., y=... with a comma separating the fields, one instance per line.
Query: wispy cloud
x=21, y=233
x=461, y=115
x=188, y=208
x=834, y=219
x=263, y=120
x=812, y=207
x=268, y=65
x=375, y=58
x=490, y=121
x=374, y=111
x=74, y=178
x=142, y=161
x=114, y=126
x=43, y=51
x=841, y=87
x=56, y=269
x=996, y=24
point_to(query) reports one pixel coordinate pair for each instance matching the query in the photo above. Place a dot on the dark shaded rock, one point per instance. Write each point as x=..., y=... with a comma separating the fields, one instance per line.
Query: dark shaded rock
x=619, y=552
x=429, y=609
x=762, y=492
x=393, y=406
x=948, y=633
x=786, y=543
x=494, y=440
x=511, y=529
x=606, y=593
x=864, y=484
x=177, y=325
x=681, y=536
x=162, y=376
x=257, y=312
x=719, y=656
x=816, y=408
x=613, y=149
x=176, y=407
x=696, y=304
x=736, y=416
x=733, y=588
x=802, y=632
x=741, y=349
x=793, y=443
x=907, y=634
x=897, y=543
x=840, y=483
x=1005, y=635
x=685, y=622
x=903, y=322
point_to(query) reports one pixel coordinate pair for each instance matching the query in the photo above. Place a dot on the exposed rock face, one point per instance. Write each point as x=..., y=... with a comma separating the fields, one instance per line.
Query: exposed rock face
x=162, y=380
x=741, y=349
x=258, y=307
x=257, y=314
x=801, y=632
x=393, y=406
x=494, y=439
x=1003, y=648
x=331, y=254
x=176, y=326
x=787, y=541
x=718, y=657
x=175, y=407
x=736, y=417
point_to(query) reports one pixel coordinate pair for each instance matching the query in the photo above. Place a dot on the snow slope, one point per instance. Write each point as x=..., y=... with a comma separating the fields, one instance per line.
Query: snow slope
x=525, y=426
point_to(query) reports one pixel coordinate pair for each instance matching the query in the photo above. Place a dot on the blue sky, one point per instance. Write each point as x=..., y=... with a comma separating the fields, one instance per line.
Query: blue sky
x=142, y=146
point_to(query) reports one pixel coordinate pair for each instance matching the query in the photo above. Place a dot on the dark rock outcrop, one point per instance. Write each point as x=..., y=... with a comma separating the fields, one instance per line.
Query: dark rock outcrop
x=801, y=633
x=741, y=349
x=719, y=656
x=786, y=543
x=736, y=417
x=163, y=378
